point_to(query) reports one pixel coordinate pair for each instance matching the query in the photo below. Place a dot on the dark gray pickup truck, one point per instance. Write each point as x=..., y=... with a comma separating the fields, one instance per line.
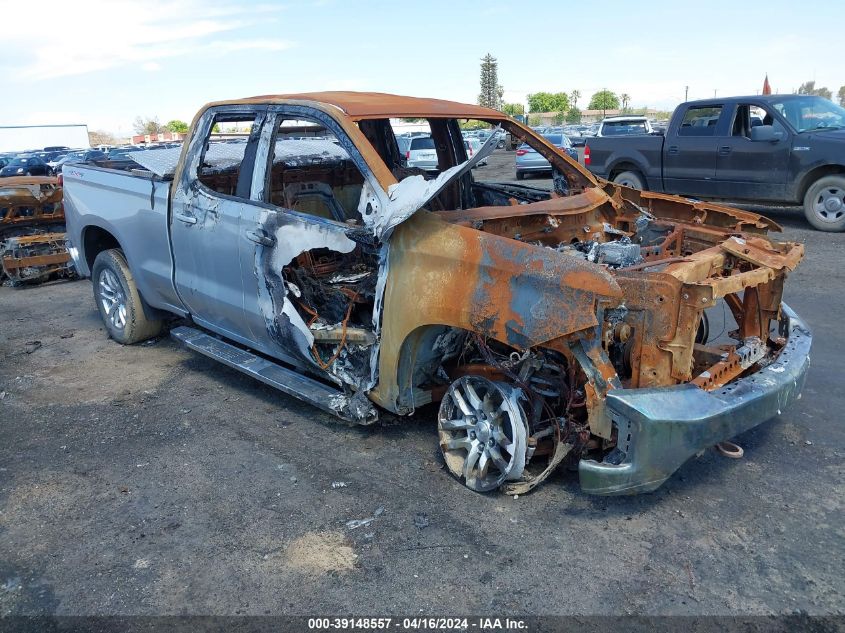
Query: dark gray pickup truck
x=775, y=148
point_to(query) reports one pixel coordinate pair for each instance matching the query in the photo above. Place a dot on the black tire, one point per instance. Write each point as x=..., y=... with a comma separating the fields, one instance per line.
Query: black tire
x=115, y=286
x=520, y=175
x=630, y=179
x=824, y=204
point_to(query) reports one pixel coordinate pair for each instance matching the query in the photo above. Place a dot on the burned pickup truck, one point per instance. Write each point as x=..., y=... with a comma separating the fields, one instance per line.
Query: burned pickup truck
x=550, y=326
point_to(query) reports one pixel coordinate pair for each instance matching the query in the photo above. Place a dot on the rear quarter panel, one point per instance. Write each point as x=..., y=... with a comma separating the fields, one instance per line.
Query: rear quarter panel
x=133, y=209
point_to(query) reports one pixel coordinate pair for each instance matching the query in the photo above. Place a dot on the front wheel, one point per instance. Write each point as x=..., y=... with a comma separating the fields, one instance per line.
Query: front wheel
x=630, y=179
x=118, y=301
x=824, y=204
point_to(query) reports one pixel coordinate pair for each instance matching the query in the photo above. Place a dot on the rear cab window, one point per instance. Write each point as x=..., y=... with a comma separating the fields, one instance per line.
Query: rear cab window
x=700, y=121
x=422, y=142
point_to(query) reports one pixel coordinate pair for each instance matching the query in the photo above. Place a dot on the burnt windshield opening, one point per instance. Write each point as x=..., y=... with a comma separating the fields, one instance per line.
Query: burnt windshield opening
x=504, y=154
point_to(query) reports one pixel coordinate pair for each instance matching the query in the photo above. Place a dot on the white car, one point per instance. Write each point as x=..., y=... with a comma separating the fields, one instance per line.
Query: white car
x=419, y=151
x=472, y=145
x=624, y=126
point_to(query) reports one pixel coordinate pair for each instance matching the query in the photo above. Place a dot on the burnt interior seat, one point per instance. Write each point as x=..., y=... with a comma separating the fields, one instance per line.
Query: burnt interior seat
x=326, y=190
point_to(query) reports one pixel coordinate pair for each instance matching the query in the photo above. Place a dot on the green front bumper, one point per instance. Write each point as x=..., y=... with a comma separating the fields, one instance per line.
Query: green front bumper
x=661, y=428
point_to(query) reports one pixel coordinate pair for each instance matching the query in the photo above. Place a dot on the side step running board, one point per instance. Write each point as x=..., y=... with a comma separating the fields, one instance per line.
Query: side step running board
x=325, y=397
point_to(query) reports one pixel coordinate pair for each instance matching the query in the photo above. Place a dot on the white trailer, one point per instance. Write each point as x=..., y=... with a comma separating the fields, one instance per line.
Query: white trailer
x=18, y=138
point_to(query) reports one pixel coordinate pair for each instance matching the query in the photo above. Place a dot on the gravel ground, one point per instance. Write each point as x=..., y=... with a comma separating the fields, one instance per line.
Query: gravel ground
x=150, y=480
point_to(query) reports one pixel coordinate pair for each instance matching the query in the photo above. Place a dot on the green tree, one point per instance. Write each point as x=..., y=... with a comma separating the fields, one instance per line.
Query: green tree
x=841, y=96
x=574, y=115
x=809, y=88
x=626, y=99
x=512, y=109
x=573, y=100
x=491, y=92
x=177, y=126
x=604, y=100
x=473, y=124
x=534, y=120
x=148, y=125
x=548, y=102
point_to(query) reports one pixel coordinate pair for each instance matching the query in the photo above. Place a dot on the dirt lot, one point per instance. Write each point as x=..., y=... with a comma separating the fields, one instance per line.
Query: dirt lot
x=150, y=480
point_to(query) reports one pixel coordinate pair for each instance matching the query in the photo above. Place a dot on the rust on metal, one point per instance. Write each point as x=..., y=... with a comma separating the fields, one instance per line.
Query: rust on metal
x=31, y=215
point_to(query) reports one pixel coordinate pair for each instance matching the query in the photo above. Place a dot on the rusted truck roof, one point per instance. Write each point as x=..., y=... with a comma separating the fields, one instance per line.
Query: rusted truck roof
x=378, y=105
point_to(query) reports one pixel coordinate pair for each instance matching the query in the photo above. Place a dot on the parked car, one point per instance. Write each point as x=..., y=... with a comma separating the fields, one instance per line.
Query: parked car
x=529, y=161
x=548, y=324
x=473, y=145
x=419, y=152
x=713, y=149
x=54, y=157
x=624, y=126
x=83, y=156
x=121, y=153
x=26, y=165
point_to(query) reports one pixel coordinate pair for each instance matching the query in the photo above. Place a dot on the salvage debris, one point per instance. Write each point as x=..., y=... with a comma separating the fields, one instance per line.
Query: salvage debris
x=32, y=241
x=31, y=346
x=354, y=524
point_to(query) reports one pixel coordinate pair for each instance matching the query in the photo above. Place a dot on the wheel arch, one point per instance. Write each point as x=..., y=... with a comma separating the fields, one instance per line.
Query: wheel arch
x=95, y=240
x=422, y=351
x=813, y=175
x=627, y=165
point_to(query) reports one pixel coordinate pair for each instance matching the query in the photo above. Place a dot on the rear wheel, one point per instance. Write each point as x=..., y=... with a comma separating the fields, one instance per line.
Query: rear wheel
x=824, y=204
x=118, y=301
x=630, y=179
x=520, y=175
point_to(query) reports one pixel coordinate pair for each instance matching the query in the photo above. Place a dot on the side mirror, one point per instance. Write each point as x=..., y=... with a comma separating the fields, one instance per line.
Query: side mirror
x=764, y=133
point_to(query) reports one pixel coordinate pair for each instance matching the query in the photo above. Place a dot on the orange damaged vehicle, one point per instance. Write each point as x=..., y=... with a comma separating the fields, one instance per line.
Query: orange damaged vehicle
x=569, y=325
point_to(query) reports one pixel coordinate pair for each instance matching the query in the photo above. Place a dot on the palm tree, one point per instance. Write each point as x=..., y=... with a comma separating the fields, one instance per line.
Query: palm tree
x=626, y=98
x=574, y=99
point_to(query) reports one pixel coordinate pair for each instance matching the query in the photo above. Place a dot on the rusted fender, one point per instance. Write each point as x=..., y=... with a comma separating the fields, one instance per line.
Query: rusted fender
x=446, y=274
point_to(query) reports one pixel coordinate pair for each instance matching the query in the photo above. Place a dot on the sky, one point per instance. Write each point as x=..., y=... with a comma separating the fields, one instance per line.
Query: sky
x=106, y=62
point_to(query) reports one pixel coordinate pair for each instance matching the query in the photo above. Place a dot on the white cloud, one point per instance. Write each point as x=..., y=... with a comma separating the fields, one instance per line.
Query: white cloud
x=141, y=33
x=233, y=46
